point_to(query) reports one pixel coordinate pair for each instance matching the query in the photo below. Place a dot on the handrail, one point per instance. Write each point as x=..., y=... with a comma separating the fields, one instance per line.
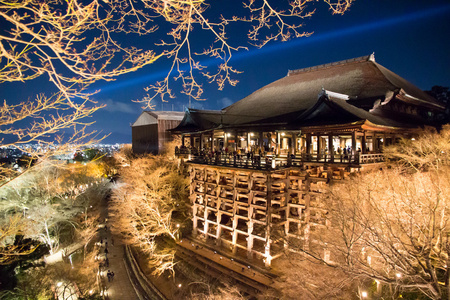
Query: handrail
x=271, y=162
x=149, y=288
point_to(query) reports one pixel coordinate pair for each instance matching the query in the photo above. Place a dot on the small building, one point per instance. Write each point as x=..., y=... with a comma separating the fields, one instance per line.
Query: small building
x=150, y=131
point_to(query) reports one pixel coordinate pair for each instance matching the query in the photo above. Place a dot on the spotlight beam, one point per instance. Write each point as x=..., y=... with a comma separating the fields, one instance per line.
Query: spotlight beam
x=411, y=17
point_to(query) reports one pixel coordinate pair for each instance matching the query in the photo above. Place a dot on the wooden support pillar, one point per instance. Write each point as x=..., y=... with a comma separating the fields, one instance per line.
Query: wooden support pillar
x=286, y=204
x=205, y=218
x=235, y=222
x=363, y=143
x=278, y=143
x=307, y=212
x=331, y=147
x=353, y=142
x=319, y=147
x=295, y=138
x=292, y=144
x=267, y=253
x=194, y=219
x=375, y=143
x=218, y=229
x=250, y=240
x=201, y=141
x=212, y=140
x=249, y=138
x=182, y=140
x=225, y=137
x=260, y=141
x=308, y=143
x=191, y=140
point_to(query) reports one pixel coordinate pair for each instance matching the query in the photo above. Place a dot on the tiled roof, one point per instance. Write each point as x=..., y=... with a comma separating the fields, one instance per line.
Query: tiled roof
x=199, y=120
x=150, y=117
x=362, y=79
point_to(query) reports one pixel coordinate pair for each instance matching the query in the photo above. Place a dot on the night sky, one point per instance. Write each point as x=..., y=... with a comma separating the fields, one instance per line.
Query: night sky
x=409, y=37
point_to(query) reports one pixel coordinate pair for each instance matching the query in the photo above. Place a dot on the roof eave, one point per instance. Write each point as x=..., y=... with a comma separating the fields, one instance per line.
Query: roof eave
x=404, y=96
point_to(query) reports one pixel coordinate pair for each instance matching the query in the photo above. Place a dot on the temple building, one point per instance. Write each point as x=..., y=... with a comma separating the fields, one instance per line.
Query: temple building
x=257, y=167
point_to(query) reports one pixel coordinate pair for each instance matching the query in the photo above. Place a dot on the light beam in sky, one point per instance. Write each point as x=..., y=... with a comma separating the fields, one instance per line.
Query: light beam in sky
x=360, y=28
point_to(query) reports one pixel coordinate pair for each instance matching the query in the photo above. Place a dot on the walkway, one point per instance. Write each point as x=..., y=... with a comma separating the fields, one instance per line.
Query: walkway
x=119, y=287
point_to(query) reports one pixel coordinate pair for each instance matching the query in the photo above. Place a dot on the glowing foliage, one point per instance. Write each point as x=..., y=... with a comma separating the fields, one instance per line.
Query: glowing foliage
x=149, y=193
x=393, y=225
x=46, y=199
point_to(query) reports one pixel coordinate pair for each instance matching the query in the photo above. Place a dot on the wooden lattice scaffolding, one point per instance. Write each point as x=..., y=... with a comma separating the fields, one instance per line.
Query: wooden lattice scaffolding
x=254, y=211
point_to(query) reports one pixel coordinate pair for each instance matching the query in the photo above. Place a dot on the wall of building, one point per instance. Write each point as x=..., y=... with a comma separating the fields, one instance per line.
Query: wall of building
x=145, y=138
x=164, y=135
x=151, y=138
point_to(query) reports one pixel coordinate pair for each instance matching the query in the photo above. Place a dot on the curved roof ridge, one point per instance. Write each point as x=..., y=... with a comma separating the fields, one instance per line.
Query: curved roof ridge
x=408, y=88
x=370, y=57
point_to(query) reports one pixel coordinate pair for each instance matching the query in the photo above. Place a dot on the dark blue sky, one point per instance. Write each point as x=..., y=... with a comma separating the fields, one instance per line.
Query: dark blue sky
x=409, y=37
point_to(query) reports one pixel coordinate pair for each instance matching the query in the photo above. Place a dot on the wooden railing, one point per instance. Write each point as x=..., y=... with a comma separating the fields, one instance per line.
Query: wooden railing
x=371, y=158
x=276, y=162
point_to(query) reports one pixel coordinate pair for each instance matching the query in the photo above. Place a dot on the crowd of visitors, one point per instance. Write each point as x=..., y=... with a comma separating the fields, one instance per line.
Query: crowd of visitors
x=263, y=157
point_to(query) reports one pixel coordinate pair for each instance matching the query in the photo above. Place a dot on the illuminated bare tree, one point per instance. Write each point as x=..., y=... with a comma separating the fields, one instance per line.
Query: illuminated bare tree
x=49, y=196
x=219, y=293
x=392, y=226
x=70, y=43
x=75, y=43
x=300, y=279
x=10, y=250
x=148, y=195
x=42, y=283
x=266, y=20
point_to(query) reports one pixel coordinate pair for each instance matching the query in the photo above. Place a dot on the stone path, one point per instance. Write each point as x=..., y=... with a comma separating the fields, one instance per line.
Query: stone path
x=119, y=287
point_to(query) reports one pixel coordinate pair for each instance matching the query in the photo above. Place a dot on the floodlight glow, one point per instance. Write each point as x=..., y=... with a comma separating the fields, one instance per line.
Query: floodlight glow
x=276, y=47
